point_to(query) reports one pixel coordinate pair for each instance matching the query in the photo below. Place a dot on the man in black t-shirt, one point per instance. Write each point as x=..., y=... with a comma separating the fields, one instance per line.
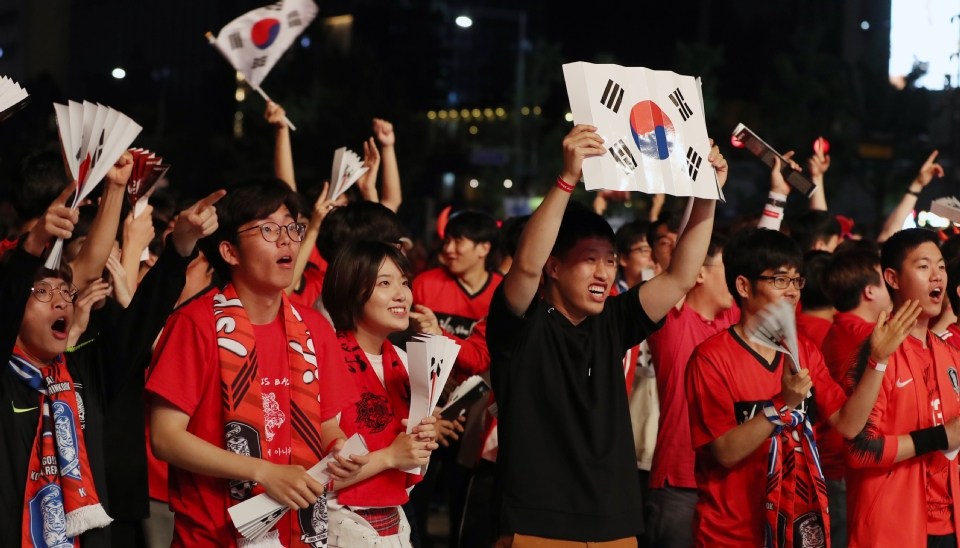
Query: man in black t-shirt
x=566, y=466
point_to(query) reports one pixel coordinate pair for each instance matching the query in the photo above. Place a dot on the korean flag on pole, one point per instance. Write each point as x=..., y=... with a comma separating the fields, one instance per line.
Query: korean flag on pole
x=652, y=124
x=254, y=42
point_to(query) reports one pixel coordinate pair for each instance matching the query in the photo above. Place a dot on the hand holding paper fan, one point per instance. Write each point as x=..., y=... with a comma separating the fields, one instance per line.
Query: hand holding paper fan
x=147, y=170
x=347, y=168
x=93, y=137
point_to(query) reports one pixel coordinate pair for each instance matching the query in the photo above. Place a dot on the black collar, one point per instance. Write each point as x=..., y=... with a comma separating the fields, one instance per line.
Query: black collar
x=769, y=366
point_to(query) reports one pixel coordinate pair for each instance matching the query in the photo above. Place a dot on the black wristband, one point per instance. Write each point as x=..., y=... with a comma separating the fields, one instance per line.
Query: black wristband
x=777, y=203
x=930, y=439
x=917, y=193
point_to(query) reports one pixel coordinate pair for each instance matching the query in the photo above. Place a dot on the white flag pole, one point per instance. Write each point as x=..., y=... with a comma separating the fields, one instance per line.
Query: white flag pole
x=213, y=42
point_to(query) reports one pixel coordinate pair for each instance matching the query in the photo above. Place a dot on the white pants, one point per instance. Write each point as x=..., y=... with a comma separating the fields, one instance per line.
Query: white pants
x=349, y=530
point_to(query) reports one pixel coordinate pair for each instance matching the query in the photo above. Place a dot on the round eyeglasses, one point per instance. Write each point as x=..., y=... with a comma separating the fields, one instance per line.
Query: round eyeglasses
x=43, y=292
x=783, y=282
x=271, y=231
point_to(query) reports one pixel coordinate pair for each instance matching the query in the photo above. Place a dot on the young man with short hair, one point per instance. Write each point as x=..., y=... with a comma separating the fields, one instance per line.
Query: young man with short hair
x=662, y=238
x=902, y=487
x=752, y=415
x=52, y=444
x=634, y=254
x=242, y=399
x=566, y=464
x=706, y=310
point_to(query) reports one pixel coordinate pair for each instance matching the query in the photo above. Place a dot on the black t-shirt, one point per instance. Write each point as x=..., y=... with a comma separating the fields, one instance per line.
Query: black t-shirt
x=98, y=369
x=567, y=464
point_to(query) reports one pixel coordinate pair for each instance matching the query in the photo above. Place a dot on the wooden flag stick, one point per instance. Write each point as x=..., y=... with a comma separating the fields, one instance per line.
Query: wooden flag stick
x=213, y=42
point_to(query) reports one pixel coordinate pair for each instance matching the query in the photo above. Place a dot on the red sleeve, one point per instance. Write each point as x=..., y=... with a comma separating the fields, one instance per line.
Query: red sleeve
x=709, y=400
x=474, y=358
x=873, y=448
x=184, y=360
x=830, y=396
x=329, y=358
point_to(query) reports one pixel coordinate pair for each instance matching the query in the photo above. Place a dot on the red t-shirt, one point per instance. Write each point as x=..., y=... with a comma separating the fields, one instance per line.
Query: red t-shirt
x=311, y=282
x=186, y=372
x=671, y=347
x=939, y=501
x=813, y=328
x=727, y=384
x=841, y=348
x=952, y=335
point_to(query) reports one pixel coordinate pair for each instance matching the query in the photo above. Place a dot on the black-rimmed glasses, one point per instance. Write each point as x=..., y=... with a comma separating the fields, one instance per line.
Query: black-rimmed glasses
x=783, y=282
x=271, y=231
x=43, y=292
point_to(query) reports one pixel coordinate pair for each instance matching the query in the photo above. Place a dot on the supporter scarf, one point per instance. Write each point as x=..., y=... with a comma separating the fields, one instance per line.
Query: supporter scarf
x=781, y=521
x=60, y=500
x=244, y=412
x=376, y=416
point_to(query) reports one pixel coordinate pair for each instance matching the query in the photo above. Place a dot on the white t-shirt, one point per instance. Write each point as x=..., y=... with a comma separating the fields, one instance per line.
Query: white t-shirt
x=376, y=362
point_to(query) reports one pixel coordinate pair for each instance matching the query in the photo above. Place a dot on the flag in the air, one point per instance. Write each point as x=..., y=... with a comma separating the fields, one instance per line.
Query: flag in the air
x=254, y=42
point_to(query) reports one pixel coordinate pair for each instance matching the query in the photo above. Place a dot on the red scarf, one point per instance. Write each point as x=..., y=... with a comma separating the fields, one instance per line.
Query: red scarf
x=60, y=500
x=376, y=414
x=243, y=408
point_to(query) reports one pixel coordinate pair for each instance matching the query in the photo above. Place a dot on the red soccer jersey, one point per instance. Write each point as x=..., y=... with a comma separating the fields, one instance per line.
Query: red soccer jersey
x=813, y=328
x=186, y=372
x=311, y=284
x=727, y=384
x=952, y=336
x=671, y=347
x=456, y=310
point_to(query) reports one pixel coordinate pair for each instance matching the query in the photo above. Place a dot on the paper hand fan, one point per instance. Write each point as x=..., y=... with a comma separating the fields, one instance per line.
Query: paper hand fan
x=12, y=97
x=776, y=327
x=148, y=168
x=347, y=169
x=93, y=138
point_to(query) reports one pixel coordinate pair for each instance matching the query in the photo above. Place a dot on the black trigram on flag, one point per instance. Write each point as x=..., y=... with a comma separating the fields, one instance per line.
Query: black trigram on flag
x=621, y=153
x=259, y=62
x=235, y=41
x=677, y=99
x=612, y=96
x=293, y=19
x=693, y=163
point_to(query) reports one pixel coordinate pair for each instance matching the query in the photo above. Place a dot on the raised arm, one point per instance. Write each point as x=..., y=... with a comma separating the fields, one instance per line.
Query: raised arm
x=91, y=260
x=392, y=196
x=664, y=291
x=520, y=285
x=138, y=232
x=283, y=151
x=818, y=164
x=367, y=183
x=909, y=201
x=772, y=216
x=320, y=210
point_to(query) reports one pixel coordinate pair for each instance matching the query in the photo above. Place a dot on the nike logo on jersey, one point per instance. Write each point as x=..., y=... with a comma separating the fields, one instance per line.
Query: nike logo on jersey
x=902, y=384
x=15, y=410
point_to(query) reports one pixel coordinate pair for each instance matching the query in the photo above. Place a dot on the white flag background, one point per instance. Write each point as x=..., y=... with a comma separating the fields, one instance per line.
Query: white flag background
x=254, y=42
x=653, y=126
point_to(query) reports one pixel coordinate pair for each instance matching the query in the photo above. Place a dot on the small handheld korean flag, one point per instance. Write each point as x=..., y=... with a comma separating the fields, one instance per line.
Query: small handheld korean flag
x=347, y=169
x=255, y=41
x=93, y=138
x=652, y=124
x=12, y=97
x=148, y=168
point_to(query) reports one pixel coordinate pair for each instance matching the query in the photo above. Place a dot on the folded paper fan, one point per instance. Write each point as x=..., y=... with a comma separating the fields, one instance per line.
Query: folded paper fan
x=93, y=137
x=148, y=168
x=12, y=97
x=347, y=169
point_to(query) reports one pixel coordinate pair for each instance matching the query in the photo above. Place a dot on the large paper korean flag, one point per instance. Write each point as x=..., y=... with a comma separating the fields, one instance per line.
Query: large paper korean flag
x=254, y=42
x=653, y=126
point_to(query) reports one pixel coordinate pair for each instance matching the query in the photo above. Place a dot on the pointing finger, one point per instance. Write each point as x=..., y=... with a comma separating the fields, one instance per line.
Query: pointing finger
x=213, y=198
x=62, y=198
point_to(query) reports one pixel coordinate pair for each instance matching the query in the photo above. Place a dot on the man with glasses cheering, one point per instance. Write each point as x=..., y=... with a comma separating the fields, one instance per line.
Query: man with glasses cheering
x=52, y=402
x=753, y=419
x=242, y=399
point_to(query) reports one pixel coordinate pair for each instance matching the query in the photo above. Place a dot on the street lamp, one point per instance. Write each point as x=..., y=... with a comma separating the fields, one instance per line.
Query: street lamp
x=464, y=21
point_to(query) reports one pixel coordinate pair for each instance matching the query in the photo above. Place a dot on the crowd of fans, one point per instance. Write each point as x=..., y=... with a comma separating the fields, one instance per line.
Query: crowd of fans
x=629, y=405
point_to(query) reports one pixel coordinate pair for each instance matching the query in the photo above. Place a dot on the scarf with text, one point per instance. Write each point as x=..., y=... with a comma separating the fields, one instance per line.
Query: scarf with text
x=783, y=527
x=60, y=501
x=375, y=414
x=244, y=409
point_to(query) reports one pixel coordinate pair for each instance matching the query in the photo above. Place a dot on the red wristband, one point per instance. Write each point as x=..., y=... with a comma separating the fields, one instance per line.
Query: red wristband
x=564, y=186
